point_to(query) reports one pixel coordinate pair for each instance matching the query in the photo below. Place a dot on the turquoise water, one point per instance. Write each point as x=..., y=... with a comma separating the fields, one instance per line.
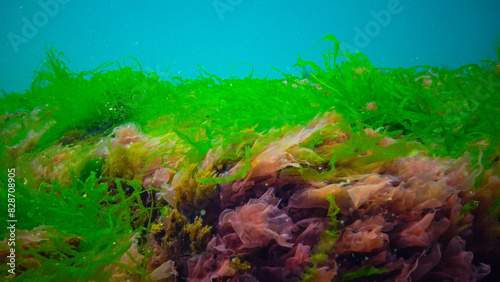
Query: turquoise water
x=173, y=37
x=187, y=141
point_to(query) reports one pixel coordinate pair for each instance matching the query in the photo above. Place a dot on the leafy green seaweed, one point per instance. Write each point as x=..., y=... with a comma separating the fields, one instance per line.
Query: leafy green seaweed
x=448, y=111
x=365, y=271
x=100, y=223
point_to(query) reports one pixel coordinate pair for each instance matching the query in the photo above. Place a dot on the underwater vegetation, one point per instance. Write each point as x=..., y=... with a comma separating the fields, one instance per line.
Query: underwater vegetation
x=355, y=173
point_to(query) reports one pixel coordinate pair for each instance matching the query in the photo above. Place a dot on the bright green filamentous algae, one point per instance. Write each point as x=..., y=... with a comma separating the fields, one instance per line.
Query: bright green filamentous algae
x=83, y=197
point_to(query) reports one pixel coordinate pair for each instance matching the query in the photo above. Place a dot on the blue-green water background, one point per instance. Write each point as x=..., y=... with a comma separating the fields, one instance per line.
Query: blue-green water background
x=179, y=35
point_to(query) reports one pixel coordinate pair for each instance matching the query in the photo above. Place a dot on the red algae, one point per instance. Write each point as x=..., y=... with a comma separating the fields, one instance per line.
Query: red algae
x=353, y=173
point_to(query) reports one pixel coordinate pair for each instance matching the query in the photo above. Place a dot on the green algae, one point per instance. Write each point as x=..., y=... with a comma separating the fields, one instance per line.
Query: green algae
x=203, y=110
x=448, y=111
x=365, y=271
x=93, y=165
x=85, y=233
x=324, y=247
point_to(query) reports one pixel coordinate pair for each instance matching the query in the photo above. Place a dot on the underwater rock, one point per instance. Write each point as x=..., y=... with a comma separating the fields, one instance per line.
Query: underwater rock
x=355, y=173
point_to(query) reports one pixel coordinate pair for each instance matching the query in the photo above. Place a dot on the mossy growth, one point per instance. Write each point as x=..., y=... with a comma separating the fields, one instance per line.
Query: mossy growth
x=190, y=194
x=157, y=228
x=239, y=266
x=179, y=233
x=126, y=162
x=198, y=234
x=176, y=224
